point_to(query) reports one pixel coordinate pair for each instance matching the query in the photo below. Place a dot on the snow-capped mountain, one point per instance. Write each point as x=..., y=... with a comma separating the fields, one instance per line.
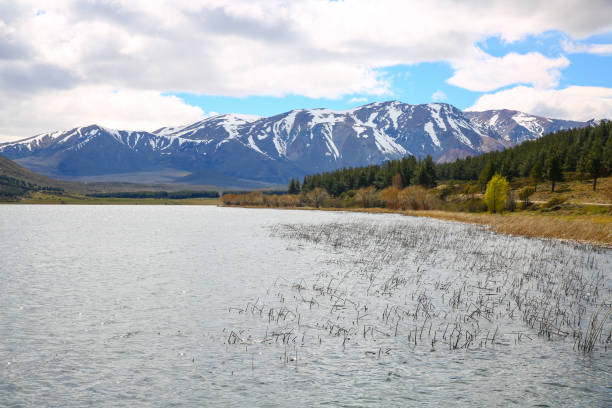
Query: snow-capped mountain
x=277, y=148
x=516, y=127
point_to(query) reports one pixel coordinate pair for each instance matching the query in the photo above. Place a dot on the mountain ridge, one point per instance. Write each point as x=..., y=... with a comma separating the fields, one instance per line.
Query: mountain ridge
x=277, y=148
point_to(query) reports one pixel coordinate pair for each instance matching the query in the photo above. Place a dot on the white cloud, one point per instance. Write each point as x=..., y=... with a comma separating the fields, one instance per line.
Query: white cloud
x=573, y=48
x=488, y=73
x=64, y=109
x=574, y=102
x=314, y=48
x=360, y=99
x=439, y=96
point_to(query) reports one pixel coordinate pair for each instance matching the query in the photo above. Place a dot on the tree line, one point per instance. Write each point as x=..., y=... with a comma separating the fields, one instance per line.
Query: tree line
x=586, y=152
x=11, y=187
x=399, y=173
x=157, y=194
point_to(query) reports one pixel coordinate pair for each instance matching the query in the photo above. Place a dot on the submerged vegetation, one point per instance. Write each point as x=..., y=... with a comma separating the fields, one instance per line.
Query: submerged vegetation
x=387, y=288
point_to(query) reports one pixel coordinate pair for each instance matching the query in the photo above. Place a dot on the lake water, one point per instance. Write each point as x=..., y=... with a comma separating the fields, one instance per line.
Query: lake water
x=206, y=306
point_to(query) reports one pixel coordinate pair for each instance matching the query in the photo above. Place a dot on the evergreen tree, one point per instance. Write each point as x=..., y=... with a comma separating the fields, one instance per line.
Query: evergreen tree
x=607, y=154
x=487, y=173
x=592, y=165
x=536, y=174
x=426, y=174
x=292, y=189
x=553, y=170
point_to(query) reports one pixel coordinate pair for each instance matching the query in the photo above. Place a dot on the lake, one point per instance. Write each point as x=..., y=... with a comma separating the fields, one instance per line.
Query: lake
x=208, y=306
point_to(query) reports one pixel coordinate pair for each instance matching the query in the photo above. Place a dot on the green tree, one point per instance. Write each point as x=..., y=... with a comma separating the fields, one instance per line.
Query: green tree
x=426, y=173
x=292, y=187
x=536, y=174
x=524, y=195
x=607, y=154
x=495, y=196
x=553, y=170
x=487, y=172
x=592, y=165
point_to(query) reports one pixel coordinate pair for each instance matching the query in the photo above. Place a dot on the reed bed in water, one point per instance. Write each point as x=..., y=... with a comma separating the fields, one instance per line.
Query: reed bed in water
x=405, y=285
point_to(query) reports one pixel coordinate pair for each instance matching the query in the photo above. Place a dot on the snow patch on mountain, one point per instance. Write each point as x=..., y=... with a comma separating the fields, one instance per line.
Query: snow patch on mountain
x=394, y=114
x=429, y=128
x=528, y=122
x=435, y=114
x=493, y=119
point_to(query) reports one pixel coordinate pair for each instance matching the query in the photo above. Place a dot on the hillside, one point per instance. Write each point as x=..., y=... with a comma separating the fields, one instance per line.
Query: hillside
x=12, y=174
x=584, y=153
x=13, y=170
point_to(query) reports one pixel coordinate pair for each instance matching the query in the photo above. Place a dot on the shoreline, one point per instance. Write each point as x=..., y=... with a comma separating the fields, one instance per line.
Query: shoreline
x=584, y=229
x=580, y=228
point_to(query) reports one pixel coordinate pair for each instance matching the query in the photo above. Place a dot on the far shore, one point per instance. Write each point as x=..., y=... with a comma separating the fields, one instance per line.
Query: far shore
x=73, y=199
x=595, y=229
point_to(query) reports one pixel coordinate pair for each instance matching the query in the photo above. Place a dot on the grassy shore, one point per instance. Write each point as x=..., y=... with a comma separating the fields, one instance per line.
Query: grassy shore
x=591, y=228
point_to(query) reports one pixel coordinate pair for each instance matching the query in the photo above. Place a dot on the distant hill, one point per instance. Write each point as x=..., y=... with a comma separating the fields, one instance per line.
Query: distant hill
x=11, y=169
x=22, y=176
x=254, y=152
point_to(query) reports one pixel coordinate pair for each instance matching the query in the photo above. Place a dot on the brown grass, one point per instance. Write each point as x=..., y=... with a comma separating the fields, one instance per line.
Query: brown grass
x=595, y=229
x=577, y=191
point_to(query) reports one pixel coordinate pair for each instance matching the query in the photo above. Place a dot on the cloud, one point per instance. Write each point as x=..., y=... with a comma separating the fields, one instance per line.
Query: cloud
x=574, y=102
x=120, y=109
x=574, y=48
x=360, y=99
x=439, y=96
x=313, y=48
x=488, y=73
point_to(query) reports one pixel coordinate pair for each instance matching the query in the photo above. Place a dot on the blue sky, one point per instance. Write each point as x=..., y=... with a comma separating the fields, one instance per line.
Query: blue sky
x=143, y=65
x=418, y=83
x=409, y=83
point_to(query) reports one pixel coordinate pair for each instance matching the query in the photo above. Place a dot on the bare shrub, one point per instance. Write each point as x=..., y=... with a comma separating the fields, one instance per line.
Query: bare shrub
x=390, y=196
x=317, y=196
x=366, y=196
x=289, y=200
x=417, y=198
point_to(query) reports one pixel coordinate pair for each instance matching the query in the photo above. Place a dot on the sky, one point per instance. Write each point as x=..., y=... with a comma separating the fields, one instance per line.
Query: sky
x=144, y=64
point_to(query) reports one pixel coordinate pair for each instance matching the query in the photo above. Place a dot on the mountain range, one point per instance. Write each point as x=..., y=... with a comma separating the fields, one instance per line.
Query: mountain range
x=250, y=151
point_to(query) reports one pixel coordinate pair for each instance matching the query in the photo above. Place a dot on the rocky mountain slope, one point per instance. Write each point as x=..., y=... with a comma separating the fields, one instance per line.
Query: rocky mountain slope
x=516, y=127
x=226, y=149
